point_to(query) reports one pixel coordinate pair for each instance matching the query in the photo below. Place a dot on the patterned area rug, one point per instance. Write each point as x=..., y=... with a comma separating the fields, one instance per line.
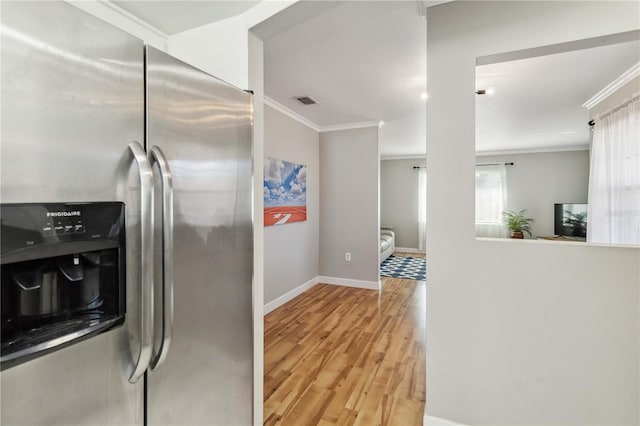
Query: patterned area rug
x=411, y=268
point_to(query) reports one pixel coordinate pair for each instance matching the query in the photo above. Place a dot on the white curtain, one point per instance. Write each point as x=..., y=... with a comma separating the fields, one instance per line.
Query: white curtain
x=422, y=209
x=614, y=182
x=491, y=200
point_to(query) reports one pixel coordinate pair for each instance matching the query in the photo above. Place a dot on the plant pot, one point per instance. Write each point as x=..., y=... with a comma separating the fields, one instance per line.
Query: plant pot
x=517, y=234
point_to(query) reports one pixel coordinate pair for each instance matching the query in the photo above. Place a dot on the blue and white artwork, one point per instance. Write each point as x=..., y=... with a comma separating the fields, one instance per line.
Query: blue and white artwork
x=285, y=192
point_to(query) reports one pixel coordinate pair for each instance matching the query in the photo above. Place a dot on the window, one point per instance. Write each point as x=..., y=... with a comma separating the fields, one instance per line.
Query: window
x=491, y=200
x=422, y=208
x=614, y=184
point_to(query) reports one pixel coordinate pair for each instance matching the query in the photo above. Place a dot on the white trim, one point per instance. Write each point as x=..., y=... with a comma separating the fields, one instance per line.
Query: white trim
x=610, y=88
x=289, y=113
x=135, y=19
x=534, y=150
x=349, y=126
x=263, y=11
x=565, y=148
x=274, y=304
x=404, y=157
x=408, y=250
x=310, y=124
x=347, y=282
x=437, y=421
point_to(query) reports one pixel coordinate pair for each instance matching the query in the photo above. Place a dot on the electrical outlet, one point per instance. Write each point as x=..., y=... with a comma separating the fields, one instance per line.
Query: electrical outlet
x=347, y=256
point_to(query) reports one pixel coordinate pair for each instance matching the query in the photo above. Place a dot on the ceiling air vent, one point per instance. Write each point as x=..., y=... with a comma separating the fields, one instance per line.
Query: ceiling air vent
x=305, y=100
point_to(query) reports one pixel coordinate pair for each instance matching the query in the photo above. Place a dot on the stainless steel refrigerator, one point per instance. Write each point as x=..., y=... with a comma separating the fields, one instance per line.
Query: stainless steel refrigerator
x=91, y=116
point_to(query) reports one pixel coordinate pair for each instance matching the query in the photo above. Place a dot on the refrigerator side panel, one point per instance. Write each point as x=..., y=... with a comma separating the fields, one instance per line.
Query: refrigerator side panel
x=204, y=128
x=72, y=101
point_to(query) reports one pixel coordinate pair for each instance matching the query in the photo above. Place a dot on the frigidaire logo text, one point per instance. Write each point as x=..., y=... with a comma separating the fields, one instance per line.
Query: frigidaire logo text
x=63, y=214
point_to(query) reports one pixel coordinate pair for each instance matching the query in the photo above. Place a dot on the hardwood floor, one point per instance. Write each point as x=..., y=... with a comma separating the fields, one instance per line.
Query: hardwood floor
x=347, y=356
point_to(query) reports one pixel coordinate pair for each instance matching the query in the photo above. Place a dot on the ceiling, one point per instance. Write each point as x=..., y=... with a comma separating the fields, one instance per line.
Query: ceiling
x=362, y=61
x=537, y=103
x=172, y=17
x=365, y=61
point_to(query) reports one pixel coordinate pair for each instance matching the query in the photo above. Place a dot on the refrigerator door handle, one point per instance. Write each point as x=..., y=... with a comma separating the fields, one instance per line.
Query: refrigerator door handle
x=146, y=261
x=157, y=157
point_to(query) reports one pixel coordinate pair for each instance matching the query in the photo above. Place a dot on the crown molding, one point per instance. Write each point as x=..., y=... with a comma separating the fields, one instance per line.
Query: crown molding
x=134, y=19
x=404, y=157
x=350, y=126
x=310, y=124
x=567, y=148
x=609, y=89
x=291, y=114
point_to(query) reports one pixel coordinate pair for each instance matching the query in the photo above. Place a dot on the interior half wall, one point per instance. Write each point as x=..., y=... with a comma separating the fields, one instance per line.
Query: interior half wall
x=518, y=332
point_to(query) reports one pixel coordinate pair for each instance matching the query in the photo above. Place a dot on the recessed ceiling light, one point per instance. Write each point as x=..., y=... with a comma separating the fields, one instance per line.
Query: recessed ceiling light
x=424, y=95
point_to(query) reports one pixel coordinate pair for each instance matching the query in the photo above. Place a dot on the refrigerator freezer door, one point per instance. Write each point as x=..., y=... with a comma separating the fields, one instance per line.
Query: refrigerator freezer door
x=204, y=128
x=72, y=101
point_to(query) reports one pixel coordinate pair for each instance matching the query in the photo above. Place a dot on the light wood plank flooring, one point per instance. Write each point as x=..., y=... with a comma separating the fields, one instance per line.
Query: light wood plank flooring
x=340, y=355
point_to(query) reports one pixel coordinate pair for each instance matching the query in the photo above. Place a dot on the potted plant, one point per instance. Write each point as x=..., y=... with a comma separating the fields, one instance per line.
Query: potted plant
x=517, y=223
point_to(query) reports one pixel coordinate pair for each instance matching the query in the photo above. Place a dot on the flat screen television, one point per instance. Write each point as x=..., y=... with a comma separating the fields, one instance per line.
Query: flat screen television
x=571, y=220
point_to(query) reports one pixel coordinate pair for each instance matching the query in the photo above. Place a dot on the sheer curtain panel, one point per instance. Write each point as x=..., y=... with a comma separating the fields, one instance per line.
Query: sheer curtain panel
x=614, y=181
x=422, y=209
x=491, y=200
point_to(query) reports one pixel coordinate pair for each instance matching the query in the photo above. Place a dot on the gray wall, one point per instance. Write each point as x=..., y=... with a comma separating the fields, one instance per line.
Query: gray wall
x=519, y=332
x=399, y=199
x=291, y=250
x=349, y=166
x=537, y=181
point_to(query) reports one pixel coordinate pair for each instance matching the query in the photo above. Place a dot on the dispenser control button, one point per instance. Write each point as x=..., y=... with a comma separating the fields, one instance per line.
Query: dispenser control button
x=47, y=230
x=79, y=228
x=58, y=229
x=68, y=229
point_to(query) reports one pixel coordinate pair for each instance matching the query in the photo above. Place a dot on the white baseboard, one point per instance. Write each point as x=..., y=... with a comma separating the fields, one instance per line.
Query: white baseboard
x=408, y=250
x=437, y=421
x=346, y=282
x=274, y=304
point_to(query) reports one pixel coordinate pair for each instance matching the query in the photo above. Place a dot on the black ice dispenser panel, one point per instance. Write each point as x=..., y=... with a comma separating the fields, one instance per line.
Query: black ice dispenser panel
x=62, y=275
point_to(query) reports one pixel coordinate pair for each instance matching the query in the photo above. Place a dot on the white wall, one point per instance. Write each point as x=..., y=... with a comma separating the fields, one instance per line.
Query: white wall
x=537, y=181
x=518, y=332
x=221, y=48
x=399, y=199
x=349, y=167
x=291, y=251
x=256, y=81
